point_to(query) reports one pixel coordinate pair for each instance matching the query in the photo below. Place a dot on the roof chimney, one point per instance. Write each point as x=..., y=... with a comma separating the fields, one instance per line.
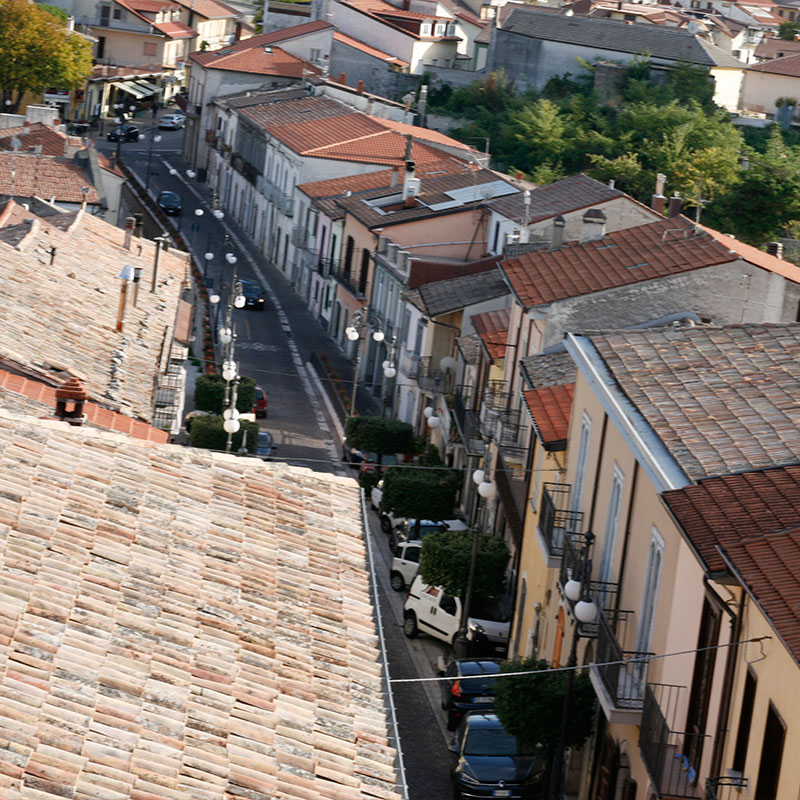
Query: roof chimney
x=343, y=78
x=775, y=249
x=130, y=224
x=409, y=140
x=558, y=232
x=594, y=225
x=675, y=205
x=410, y=186
x=360, y=87
x=658, y=201
x=72, y=393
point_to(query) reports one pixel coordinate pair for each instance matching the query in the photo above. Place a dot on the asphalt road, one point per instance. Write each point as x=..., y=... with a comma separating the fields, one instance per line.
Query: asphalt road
x=273, y=347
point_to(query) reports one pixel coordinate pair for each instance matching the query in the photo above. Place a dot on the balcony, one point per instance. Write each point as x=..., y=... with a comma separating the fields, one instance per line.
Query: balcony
x=666, y=753
x=426, y=377
x=468, y=422
x=300, y=237
x=512, y=488
x=555, y=522
x=619, y=686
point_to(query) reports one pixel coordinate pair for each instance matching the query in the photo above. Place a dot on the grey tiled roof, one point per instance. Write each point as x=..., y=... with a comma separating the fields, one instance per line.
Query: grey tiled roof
x=577, y=191
x=659, y=42
x=442, y=297
x=548, y=369
x=722, y=400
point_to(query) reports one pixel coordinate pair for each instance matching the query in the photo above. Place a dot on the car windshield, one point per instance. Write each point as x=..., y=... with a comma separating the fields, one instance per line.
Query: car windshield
x=490, y=742
x=169, y=197
x=264, y=440
x=250, y=287
x=495, y=609
x=479, y=684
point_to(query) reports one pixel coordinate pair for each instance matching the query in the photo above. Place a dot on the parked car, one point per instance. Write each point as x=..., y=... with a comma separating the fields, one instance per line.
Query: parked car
x=170, y=203
x=123, y=133
x=389, y=522
x=253, y=295
x=266, y=445
x=261, y=403
x=370, y=463
x=406, y=530
x=470, y=688
x=405, y=565
x=172, y=122
x=431, y=610
x=491, y=763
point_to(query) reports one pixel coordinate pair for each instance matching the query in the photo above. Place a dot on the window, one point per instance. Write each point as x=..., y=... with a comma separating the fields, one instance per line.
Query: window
x=612, y=524
x=405, y=326
x=440, y=29
x=652, y=578
x=580, y=463
x=362, y=276
x=315, y=55
x=150, y=48
x=101, y=48
x=348, y=257
x=117, y=13
x=425, y=29
x=745, y=719
x=105, y=15
x=418, y=337
x=769, y=770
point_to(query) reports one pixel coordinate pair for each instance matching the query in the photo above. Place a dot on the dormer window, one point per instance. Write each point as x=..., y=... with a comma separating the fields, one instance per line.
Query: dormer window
x=440, y=29
x=451, y=29
x=425, y=29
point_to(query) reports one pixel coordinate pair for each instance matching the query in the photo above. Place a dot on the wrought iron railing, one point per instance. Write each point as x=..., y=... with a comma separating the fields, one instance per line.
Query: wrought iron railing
x=468, y=421
x=554, y=522
x=427, y=376
x=512, y=492
x=725, y=787
x=300, y=237
x=624, y=673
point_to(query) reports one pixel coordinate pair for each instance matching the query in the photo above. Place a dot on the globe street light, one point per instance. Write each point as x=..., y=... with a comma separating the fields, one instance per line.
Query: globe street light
x=361, y=321
x=155, y=138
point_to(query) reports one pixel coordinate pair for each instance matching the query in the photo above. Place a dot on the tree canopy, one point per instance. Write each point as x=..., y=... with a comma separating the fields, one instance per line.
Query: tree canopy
x=37, y=51
x=209, y=394
x=419, y=493
x=379, y=435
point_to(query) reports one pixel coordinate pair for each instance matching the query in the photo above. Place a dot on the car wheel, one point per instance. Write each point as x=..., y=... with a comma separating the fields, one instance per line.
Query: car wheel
x=393, y=544
x=452, y=720
x=410, y=628
x=386, y=524
x=397, y=582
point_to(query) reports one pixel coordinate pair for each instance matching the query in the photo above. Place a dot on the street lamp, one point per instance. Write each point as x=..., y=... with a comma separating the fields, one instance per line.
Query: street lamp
x=155, y=138
x=389, y=373
x=576, y=590
x=361, y=321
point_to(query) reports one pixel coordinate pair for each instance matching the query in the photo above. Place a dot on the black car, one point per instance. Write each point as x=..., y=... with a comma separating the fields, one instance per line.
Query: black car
x=170, y=203
x=123, y=133
x=492, y=764
x=470, y=688
x=265, y=446
x=253, y=295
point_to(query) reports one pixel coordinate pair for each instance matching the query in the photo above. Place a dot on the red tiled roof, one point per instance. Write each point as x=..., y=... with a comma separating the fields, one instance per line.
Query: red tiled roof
x=757, y=257
x=492, y=328
x=106, y=71
x=772, y=47
x=150, y=5
x=769, y=567
x=633, y=255
x=210, y=9
x=258, y=61
x=30, y=175
x=549, y=408
x=370, y=51
x=720, y=511
x=53, y=142
x=175, y=30
x=425, y=134
x=788, y=65
x=381, y=9
x=96, y=415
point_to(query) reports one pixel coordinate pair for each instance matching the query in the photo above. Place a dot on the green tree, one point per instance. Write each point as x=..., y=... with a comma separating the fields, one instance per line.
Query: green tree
x=379, y=435
x=37, y=50
x=209, y=394
x=541, y=135
x=446, y=557
x=420, y=493
x=208, y=433
x=530, y=706
x=788, y=30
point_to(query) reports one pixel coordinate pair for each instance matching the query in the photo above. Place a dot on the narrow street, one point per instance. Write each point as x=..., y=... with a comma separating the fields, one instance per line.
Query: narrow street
x=273, y=347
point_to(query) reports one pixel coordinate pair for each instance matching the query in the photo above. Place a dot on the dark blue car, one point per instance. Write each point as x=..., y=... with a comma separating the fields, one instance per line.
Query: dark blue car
x=470, y=688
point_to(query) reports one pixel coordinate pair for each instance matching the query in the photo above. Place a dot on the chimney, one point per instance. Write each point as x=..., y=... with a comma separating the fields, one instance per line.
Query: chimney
x=594, y=225
x=558, y=232
x=410, y=186
x=360, y=87
x=71, y=392
x=658, y=202
x=422, y=105
x=130, y=224
x=137, y=228
x=395, y=176
x=775, y=249
x=343, y=78
x=675, y=205
x=409, y=140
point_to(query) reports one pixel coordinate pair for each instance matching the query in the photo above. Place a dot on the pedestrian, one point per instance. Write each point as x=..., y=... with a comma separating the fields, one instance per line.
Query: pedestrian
x=155, y=108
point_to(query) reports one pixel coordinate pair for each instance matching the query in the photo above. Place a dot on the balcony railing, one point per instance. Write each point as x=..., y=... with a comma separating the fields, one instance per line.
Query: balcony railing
x=555, y=522
x=468, y=421
x=664, y=750
x=619, y=676
x=512, y=491
x=300, y=237
x=495, y=398
x=427, y=375
x=727, y=787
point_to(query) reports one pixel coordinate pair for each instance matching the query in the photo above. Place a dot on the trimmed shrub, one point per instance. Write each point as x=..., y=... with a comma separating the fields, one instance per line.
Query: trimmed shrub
x=208, y=433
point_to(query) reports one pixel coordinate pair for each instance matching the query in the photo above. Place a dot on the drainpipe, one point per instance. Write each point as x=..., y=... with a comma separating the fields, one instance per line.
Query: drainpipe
x=597, y=472
x=629, y=515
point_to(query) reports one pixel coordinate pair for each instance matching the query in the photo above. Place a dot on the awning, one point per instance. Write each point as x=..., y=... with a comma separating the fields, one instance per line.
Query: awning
x=130, y=88
x=150, y=87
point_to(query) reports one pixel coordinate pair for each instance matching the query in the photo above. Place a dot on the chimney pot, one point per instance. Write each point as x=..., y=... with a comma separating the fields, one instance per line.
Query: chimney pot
x=71, y=391
x=594, y=225
x=360, y=87
x=343, y=78
x=130, y=224
x=675, y=205
x=658, y=203
x=557, y=240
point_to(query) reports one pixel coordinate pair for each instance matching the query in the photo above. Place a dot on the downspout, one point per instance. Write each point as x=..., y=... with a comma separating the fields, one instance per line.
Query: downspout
x=597, y=472
x=727, y=682
x=629, y=516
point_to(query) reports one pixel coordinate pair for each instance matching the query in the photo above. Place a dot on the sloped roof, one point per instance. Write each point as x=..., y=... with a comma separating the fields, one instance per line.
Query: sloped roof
x=568, y=194
x=720, y=511
x=773, y=47
x=549, y=409
x=666, y=247
x=721, y=399
x=659, y=42
x=175, y=30
x=393, y=16
x=425, y=134
x=183, y=624
x=442, y=297
x=769, y=568
x=788, y=65
x=210, y=9
x=261, y=61
x=25, y=174
x=492, y=329
x=548, y=369
x=52, y=142
x=369, y=50
x=60, y=318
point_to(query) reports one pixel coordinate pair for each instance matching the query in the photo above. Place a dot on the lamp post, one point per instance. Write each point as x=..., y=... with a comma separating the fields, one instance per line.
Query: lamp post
x=576, y=591
x=485, y=489
x=190, y=173
x=361, y=321
x=389, y=373
x=156, y=137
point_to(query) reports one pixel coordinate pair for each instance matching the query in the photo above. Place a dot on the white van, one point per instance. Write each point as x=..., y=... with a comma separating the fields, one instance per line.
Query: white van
x=430, y=610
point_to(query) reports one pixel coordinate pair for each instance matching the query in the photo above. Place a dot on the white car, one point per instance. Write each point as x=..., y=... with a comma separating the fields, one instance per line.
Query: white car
x=172, y=122
x=430, y=610
x=405, y=565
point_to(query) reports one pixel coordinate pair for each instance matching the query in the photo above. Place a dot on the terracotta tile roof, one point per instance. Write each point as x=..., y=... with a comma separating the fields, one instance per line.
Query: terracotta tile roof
x=24, y=174
x=722, y=400
x=755, y=256
x=492, y=328
x=210, y=9
x=425, y=134
x=720, y=511
x=788, y=65
x=633, y=255
x=175, y=30
x=548, y=369
x=24, y=396
x=549, y=409
x=772, y=47
x=370, y=51
x=769, y=567
x=181, y=624
x=391, y=15
x=59, y=319
x=150, y=5
x=53, y=142
x=258, y=61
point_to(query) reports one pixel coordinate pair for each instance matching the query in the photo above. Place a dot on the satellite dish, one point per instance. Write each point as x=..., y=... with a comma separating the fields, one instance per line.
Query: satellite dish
x=694, y=27
x=16, y=143
x=447, y=364
x=569, y=13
